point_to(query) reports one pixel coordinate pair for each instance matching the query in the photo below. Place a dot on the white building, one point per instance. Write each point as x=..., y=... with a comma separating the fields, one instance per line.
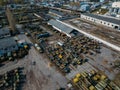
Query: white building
x=115, y=9
x=106, y=21
x=116, y=4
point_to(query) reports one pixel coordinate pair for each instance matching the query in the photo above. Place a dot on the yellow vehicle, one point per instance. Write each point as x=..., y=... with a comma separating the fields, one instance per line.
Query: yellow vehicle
x=25, y=46
x=92, y=72
x=103, y=77
x=92, y=87
x=60, y=56
x=78, y=75
x=75, y=80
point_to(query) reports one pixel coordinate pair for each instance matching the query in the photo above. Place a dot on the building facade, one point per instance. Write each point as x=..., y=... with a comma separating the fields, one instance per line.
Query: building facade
x=109, y=22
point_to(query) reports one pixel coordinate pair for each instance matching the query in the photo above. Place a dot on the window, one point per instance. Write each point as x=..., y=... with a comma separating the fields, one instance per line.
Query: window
x=116, y=27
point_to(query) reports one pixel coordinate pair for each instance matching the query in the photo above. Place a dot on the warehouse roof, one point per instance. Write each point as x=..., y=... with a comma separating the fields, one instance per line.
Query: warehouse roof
x=57, y=12
x=60, y=26
x=4, y=31
x=107, y=19
x=7, y=42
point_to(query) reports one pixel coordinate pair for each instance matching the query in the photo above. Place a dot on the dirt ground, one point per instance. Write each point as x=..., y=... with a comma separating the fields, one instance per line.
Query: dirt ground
x=41, y=76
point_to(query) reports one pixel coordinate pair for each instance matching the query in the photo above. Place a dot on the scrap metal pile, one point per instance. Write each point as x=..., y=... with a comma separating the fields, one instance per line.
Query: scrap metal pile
x=12, y=80
x=23, y=49
x=72, y=52
x=93, y=81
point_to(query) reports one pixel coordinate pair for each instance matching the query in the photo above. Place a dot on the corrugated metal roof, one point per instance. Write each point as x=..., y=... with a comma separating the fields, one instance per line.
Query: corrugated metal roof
x=7, y=42
x=107, y=19
x=4, y=31
x=60, y=26
x=56, y=12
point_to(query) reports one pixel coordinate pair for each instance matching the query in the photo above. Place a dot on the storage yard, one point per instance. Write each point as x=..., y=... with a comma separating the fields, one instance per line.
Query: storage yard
x=48, y=59
x=12, y=80
x=93, y=81
x=105, y=33
x=69, y=55
x=37, y=70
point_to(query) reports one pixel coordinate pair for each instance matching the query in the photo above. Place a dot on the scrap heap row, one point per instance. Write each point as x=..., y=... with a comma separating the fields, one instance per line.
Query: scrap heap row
x=12, y=80
x=72, y=52
x=93, y=81
x=23, y=49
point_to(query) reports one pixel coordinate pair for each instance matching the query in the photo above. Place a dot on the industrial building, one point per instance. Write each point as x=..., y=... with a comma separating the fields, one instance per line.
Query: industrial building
x=61, y=27
x=106, y=21
x=115, y=9
x=8, y=45
x=4, y=32
x=116, y=4
x=58, y=13
x=85, y=8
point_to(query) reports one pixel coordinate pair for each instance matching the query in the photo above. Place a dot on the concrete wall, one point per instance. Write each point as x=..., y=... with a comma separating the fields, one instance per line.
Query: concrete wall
x=94, y=20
